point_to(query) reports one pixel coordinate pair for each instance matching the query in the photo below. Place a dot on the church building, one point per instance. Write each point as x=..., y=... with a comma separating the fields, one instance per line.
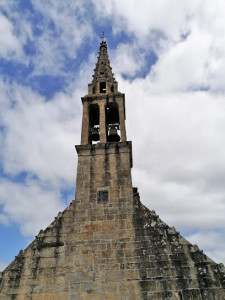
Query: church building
x=106, y=244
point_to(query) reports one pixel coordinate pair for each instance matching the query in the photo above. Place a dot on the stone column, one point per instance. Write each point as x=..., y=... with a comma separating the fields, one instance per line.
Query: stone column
x=85, y=124
x=102, y=121
x=122, y=119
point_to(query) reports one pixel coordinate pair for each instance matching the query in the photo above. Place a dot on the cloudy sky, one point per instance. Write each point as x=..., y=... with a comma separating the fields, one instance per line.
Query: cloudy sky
x=168, y=57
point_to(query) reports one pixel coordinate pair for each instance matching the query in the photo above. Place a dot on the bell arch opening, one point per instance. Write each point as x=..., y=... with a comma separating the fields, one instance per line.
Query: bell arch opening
x=94, y=123
x=112, y=122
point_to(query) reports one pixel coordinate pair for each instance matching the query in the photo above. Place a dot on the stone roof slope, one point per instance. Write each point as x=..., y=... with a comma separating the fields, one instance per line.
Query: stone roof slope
x=171, y=261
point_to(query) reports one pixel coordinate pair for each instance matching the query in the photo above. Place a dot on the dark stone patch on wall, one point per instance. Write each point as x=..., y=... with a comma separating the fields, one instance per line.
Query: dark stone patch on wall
x=102, y=197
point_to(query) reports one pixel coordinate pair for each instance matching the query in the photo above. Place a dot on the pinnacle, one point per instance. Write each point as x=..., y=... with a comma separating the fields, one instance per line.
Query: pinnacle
x=103, y=70
x=103, y=78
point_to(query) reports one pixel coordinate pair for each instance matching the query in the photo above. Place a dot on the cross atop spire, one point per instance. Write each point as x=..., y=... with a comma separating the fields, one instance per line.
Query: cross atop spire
x=103, y=36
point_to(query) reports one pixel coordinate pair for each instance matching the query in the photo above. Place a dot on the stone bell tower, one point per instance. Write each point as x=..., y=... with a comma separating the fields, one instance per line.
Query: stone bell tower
x=107, y=244
x=104, y=156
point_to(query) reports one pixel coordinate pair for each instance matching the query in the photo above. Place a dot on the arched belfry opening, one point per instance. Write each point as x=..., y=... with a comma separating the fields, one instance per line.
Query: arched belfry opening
x=112, y=122
x=111, y=125
x=93, y=123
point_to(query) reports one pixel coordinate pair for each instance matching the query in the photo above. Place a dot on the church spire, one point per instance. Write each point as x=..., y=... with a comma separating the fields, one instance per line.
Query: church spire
x=104, y=107
x=103, y=78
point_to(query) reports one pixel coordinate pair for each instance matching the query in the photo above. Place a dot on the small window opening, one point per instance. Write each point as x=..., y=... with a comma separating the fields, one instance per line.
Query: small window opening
x=102, y=197
x=102, y=87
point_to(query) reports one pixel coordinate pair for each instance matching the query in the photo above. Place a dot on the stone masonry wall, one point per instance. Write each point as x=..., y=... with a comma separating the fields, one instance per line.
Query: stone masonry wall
x=85, y=252
x=107, y=245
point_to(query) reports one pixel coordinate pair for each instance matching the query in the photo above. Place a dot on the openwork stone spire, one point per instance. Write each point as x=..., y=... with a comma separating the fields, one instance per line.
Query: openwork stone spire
x=103, y=78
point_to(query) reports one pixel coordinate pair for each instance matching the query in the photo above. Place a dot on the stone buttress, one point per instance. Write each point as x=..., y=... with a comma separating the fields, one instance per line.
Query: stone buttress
x=106, y=244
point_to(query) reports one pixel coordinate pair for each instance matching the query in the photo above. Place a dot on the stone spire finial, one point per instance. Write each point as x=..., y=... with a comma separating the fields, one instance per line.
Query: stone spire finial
x=103, y=78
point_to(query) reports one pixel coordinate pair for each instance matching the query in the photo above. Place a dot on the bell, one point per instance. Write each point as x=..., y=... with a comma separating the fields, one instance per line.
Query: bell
x=95, y=134
x=113, y=135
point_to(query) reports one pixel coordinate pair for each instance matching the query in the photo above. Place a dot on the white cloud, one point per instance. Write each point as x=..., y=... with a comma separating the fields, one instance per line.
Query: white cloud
x=10, y=44
x=15, y=31
x=178, y=153
x=143, y=17
x=22, y=204
x=43, y=134
x=57, y=37
x=184, y=65
x=188, y=38
x=4, y=220
x=38, y=137
x=128, y=55
x=65, y=28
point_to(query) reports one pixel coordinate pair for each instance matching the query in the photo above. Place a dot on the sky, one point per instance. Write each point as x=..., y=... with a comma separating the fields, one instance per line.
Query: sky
x=168, y=58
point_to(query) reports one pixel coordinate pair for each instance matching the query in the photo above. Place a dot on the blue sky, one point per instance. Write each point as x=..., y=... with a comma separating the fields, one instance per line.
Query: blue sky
x=168, y=58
